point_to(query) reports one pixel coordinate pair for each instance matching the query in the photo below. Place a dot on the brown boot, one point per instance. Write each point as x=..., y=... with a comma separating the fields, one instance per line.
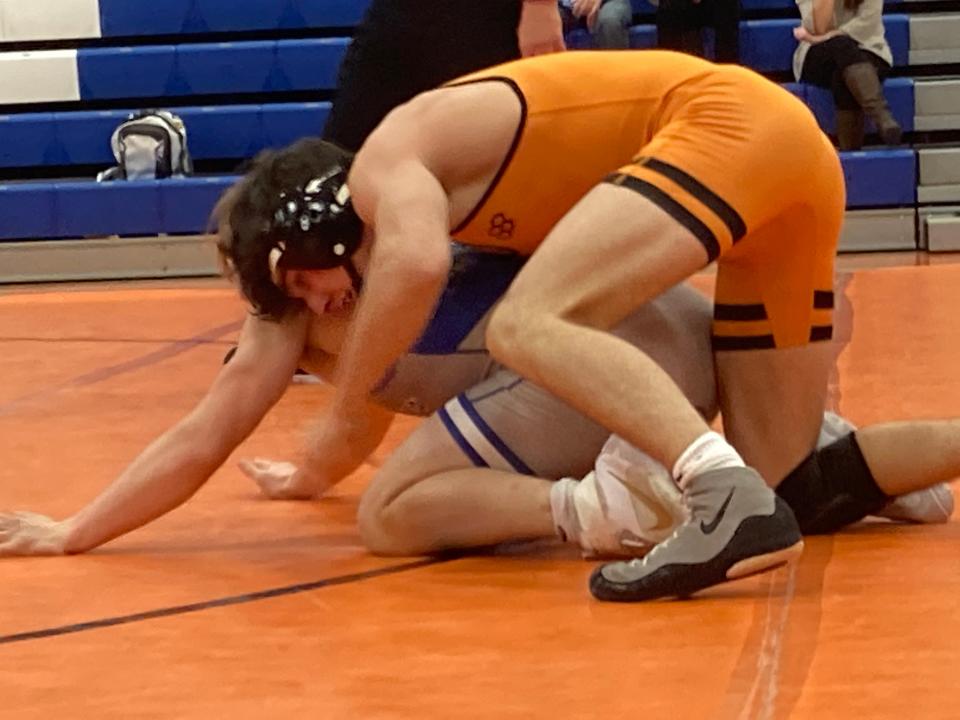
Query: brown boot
x=865, y=86
x=850, y=129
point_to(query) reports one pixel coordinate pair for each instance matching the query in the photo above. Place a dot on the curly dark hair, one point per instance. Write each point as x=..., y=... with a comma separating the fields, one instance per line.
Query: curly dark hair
x=244, y=213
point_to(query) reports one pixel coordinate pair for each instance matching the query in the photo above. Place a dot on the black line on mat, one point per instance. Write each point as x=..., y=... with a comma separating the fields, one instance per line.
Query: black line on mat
x=92, y=339
x=222, y=602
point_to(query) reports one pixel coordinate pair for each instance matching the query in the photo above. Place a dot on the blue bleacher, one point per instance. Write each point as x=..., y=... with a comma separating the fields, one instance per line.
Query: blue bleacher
x=209, y=68
x=643, y=7
x=880, y=178
x=898, y=91
x=185, y=204
x=768, y=45
x=109, y=73
x=76, y=209
x=125, y=18
x=214, y=132
x=876, y=178
x=28, y=211
x=236, y=131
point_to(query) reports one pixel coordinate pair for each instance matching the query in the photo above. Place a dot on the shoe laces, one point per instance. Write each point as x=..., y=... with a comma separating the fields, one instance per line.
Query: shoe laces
x=639, y=562
x=697, y=501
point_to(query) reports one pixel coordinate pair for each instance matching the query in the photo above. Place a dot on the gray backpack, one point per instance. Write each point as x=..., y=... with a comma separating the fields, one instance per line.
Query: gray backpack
x=149, y=145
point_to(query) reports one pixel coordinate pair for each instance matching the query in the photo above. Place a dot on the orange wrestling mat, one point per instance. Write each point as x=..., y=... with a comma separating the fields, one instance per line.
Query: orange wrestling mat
x=237, y=607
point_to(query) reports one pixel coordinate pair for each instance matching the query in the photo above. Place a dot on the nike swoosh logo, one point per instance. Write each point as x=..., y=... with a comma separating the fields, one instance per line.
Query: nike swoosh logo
x=664, y=520
x=708, y=528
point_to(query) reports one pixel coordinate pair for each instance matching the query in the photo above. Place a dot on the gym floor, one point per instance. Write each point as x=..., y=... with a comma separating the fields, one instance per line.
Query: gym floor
x=237, y=607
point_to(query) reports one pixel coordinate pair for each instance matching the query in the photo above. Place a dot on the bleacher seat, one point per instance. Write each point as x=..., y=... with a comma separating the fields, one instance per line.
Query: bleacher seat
x=122, y=17
x=80, y=138
x=799, y=90
x=233, y=131
x=768, y=45
x=140, y=71
x=76, y=209
x=642, y=7
x=898, y=91
x=24, y=139
x=170, y=70
x=28, y=210
x=85, y=208
x=185, y=204
x=236, y=131
x=285, y=122
x=748, y=5
x=880, y=178
x=209, y=68
x=32, y=20
x=213, y=132
x=875, y=178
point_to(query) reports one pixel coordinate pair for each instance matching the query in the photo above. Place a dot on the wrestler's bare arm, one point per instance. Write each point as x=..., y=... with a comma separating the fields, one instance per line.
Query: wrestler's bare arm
x=410, y=261
x=323, y=466
x=172, y=468
x=407, y=209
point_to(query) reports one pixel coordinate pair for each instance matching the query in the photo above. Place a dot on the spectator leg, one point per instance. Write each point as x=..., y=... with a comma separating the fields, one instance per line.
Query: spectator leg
x=612, y=30
x=823, y=66
x=726, y=23
x=678, y=27
x=864, y=84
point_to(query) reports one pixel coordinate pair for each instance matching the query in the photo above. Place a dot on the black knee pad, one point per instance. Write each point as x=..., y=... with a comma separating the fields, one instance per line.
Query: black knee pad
x=831, y=488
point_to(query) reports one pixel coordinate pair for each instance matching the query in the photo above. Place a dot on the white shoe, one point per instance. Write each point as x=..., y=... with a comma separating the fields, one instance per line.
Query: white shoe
x=628, y=504
x=932, y=505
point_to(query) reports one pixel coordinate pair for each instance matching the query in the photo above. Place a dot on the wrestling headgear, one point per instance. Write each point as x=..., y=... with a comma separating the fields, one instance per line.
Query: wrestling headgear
x=316, y=228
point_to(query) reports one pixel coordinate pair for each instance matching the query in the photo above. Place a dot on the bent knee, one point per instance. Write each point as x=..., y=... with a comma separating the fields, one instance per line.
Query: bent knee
x=386, y=519
x=373, y=522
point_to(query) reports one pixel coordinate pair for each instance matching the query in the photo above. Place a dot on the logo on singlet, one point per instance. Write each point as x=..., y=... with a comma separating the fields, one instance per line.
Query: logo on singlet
x=501, y=227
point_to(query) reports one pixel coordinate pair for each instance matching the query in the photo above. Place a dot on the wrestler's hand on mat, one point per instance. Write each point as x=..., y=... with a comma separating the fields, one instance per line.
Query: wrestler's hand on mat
x=541, y=29
x=280, y=480
x=26, y=533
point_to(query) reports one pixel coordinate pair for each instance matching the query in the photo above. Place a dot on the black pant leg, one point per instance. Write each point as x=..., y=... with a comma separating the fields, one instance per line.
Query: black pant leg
x=405, y=47
x=679, y=26
x=726, y=24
